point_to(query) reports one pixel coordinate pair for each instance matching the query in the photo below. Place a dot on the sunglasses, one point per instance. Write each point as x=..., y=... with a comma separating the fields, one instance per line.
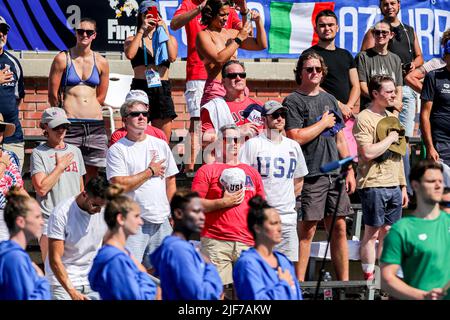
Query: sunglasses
x=234, y=139
x=89, y=33
x=311, y=69
x=62, y=126
x=277, y=114
x=380, y=32
x=234, y=75
x=2, y=127
x=135, y=114
x=445, y=204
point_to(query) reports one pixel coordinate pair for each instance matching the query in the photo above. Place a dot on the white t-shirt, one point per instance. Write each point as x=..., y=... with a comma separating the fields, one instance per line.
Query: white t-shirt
x=82, y=234
x=127, y=158
x=278, y=164
x=433, y=64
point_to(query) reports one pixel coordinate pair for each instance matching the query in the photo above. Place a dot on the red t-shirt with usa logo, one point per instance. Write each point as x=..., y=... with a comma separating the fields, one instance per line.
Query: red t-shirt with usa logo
x=229, y=224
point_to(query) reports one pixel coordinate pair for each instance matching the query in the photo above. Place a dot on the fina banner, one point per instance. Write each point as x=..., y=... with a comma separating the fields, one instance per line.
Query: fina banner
x=47, y=25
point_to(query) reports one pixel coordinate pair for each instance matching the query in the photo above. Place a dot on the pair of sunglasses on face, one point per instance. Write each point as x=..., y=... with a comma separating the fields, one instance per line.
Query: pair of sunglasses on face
x=135, y=114
x=380, y=32
x=277, y=114
x=81, y=32
x=234, y=75
x=311, y=69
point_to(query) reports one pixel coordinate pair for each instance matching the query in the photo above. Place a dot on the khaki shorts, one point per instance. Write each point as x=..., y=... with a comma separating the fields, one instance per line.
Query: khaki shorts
x=223, y=254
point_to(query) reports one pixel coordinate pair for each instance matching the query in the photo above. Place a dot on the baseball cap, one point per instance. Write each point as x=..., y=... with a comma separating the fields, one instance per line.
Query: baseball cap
x=10, y=128
x=447, y=47
x=271, y=106
x=144, y=5
x=233, y=179
x=137, y=95
x=3, y=21
x=54, y=117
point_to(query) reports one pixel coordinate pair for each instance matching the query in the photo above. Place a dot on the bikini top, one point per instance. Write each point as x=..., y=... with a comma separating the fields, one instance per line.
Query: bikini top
x=138, y=59
x=73, y=79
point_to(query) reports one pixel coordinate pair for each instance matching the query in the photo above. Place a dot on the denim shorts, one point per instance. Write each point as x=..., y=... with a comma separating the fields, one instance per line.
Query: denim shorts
x=381, y=206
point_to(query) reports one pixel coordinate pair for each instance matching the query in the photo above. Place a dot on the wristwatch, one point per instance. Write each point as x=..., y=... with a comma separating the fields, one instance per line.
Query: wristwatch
x=238, y=41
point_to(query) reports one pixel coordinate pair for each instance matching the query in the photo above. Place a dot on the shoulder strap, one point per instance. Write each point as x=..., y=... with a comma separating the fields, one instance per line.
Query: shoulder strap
x=63, y=88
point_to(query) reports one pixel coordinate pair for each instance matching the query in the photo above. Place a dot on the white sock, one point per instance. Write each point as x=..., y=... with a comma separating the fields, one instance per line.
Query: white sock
x=368, y=267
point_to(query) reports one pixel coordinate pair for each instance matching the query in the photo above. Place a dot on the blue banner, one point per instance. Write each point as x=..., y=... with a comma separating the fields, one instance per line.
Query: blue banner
x=48, y=24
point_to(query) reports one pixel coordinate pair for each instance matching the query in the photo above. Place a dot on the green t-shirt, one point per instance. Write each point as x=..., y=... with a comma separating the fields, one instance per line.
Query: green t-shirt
x=422, y=248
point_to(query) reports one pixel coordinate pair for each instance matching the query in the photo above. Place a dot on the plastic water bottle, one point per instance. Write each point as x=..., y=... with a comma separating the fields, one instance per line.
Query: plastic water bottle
x=327, y=292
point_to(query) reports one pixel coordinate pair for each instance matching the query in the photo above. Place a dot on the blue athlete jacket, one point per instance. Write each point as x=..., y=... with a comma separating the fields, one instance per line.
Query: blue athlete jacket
x=183, y=272
x=18, y=278
x=254, y=279
x=116, y=277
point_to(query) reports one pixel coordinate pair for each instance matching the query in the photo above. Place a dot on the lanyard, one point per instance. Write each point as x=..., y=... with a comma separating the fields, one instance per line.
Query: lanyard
x=145, y=53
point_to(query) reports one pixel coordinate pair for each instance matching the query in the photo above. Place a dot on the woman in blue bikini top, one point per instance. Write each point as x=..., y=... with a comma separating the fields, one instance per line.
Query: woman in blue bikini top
x=79, y=77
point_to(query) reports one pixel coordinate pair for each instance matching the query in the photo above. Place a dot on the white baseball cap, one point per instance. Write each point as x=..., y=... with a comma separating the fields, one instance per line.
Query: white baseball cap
x=233, y=179
x=137, y=95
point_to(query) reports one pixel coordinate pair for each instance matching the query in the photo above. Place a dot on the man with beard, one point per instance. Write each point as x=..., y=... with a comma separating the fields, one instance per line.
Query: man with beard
x=342, y=78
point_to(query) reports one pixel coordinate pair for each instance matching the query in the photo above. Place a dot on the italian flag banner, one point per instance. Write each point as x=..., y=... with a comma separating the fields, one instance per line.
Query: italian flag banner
x=292, y=25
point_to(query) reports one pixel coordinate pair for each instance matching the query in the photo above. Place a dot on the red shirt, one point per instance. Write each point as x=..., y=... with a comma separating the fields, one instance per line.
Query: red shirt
x=236, y=109
x=195, y=70
x=150, y=130
x=228, y=224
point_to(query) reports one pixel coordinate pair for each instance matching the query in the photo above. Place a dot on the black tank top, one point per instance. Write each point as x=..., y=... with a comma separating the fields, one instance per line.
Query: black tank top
x=138, y=59
x=402, y=44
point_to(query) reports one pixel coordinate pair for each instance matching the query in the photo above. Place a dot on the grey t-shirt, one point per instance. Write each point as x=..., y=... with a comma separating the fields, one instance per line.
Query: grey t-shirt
x=370, y=63
x=68, y=184
x=303, y=112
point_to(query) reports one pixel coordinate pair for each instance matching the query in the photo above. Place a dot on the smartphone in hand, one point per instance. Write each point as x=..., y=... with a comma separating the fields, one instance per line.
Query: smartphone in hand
x=153, y=13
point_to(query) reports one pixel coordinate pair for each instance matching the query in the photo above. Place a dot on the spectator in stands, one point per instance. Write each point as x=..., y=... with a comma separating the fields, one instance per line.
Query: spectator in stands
x=380, y=174
x=419, y=242
x=315, y=121
x=216, y=44
x=145, y=167
x=185, y=273
x=263, y=273
x=404, y=44
x=280, y=162
x=231, y=108
x=138, y=96
x=115, y=273
x=225, y=187
x=151, y=51
x=75, y=231
x=56, y=168
x=21, y=279
x=78, y=82
x=342, y=79
x=415, y=77
x=12, y=92
x=434, y=112
x=445, y=203
x=188, y=15
x=9, y=173
x=379, y=60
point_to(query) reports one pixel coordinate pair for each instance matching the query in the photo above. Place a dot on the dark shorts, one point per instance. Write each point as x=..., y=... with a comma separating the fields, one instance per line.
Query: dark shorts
x=381, y=206
x=90, y=136
x=160, y=99
x=443, y=149
x=319, y=198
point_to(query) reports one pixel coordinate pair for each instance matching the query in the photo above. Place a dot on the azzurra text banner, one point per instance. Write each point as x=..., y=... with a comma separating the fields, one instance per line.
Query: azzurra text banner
x=44, y=25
